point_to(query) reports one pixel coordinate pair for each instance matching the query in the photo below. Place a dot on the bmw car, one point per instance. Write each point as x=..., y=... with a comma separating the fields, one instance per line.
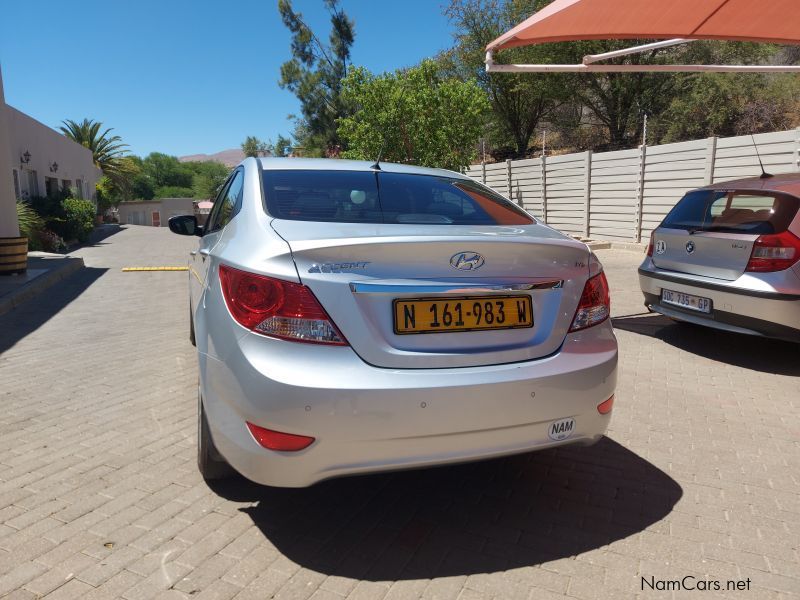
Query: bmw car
x=352, y=317
x=726, y=256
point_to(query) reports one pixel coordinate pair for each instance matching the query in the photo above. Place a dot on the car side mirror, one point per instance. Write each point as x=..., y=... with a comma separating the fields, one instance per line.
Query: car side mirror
x=185, y=225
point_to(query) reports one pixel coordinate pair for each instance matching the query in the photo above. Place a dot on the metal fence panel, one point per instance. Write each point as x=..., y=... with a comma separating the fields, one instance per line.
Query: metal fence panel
x=623, y=195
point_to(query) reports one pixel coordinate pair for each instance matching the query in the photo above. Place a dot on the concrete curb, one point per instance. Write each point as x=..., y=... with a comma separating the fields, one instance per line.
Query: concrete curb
x=69, y=265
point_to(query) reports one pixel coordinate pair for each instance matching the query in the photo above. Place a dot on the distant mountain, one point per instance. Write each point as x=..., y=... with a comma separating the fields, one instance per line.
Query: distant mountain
x=229, y=158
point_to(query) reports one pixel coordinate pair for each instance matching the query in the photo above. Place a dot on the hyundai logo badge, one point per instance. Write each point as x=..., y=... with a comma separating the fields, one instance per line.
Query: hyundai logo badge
x=466, y=261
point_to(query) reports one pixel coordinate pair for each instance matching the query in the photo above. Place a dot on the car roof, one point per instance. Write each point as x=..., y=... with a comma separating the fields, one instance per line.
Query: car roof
x=787, y=183
x=338, y=164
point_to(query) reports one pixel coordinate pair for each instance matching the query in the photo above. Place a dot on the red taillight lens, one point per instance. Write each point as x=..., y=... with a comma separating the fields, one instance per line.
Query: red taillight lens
x=774, y=252
x=277, y=308
x=595, y=304
x=650, y=245
x=277, y=440
x=605, y=407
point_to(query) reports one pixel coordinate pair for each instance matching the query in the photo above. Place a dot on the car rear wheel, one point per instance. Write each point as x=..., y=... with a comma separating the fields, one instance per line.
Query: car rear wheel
x=209, y=461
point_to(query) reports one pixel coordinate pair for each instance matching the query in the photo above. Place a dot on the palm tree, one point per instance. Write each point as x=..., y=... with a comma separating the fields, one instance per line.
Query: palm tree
x=106, y=150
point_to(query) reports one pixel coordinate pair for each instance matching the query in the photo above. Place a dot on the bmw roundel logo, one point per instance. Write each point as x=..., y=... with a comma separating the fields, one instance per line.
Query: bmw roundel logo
x=689, y=247
x=466, y=261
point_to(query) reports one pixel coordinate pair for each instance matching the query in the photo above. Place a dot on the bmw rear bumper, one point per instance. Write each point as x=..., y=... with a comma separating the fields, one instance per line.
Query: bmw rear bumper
x=367, y=419
x=751, y=312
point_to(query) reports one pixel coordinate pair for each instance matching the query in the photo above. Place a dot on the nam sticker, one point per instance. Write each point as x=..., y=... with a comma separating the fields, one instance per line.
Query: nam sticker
x=561, y=429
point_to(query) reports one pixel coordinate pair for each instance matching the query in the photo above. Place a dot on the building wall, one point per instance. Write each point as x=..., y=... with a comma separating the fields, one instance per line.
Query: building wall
x=46, y=146
x=8, y=211
x=142, y=212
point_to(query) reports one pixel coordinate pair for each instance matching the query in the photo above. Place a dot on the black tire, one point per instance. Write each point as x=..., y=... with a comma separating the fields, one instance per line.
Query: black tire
x=209, y=461
x=191, y=327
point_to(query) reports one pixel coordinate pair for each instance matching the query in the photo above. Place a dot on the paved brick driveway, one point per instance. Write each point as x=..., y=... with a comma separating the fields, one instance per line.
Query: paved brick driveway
x=99, y=495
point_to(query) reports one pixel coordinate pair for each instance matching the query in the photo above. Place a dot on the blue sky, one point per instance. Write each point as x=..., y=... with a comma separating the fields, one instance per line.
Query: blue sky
x=186, y=77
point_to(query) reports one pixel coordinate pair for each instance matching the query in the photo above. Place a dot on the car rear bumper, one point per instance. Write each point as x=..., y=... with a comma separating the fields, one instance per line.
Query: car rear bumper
x=368, y=419
x=768, y=314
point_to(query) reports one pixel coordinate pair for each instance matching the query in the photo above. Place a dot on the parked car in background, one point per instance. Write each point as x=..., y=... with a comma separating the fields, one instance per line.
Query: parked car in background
x=352, y=318
x=726, y=256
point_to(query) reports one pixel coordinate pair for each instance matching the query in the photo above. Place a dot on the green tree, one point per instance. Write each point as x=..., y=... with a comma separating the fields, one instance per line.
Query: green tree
x=252, y=146
x=314, y=74
x=164, y=170
x=281, y=147
x=416, y=116
x=207, y=177
x=106, y=149
x=174, y=191
x=519, y=102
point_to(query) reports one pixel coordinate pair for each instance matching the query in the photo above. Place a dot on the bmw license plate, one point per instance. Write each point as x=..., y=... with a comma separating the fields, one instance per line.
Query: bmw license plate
x=441, y=315
x=689, y=301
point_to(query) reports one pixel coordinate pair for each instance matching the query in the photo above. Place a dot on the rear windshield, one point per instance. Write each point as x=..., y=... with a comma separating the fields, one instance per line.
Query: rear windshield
x=733, y=211
x=379, y=197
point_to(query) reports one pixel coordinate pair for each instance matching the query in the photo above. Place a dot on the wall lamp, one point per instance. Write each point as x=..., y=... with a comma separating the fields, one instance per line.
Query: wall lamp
x=54, y=167
x=25, y=158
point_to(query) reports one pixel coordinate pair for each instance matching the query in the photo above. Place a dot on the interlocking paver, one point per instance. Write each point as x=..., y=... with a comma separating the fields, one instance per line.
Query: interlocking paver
x=100, y=498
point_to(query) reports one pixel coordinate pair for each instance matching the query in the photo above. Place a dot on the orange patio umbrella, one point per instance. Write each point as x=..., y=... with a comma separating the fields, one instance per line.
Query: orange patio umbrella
x=674, y=21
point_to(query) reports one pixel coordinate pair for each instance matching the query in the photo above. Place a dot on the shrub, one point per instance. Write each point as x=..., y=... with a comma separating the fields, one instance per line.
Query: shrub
x=30, y=224
x=51, y=242
x=79, y=219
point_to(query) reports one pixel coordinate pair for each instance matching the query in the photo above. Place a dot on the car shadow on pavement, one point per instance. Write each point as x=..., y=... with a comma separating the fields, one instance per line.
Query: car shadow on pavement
x=740, y=350
x=467, y=519
x=35, y=312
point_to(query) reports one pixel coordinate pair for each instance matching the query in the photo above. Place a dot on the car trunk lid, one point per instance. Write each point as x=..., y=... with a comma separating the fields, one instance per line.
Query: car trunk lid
x=358, y=271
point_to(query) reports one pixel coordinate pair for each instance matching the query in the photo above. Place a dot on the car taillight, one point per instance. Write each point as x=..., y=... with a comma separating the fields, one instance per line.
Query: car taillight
x=277, y=308
x=650, y=245
x=278, y=440
x=595, y=304
x=774, y=252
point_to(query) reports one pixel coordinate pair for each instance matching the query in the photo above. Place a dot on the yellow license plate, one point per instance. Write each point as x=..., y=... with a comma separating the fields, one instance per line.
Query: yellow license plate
x=471, y=313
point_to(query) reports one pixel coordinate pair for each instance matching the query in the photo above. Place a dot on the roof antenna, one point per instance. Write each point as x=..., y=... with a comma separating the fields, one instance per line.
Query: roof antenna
x=377, y=164
x=764, y=174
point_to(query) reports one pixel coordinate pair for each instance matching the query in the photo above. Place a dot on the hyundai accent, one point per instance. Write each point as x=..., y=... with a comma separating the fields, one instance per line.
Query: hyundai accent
x=352, y=317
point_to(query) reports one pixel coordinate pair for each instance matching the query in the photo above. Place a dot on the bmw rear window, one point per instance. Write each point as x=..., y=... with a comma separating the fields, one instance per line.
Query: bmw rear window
x=380, y=197
x=732, y=211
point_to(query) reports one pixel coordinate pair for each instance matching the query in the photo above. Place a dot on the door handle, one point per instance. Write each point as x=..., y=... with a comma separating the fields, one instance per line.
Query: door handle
x=205, y=252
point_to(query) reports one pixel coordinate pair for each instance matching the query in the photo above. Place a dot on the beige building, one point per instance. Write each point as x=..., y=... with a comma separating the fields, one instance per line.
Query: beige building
x=44, y=161
x=155, y=213
x=36, y=160
x=8, y=211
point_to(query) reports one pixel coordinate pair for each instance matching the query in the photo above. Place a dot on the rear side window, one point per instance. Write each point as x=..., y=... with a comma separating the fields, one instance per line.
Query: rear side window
x=379, y=197
x=733, y=212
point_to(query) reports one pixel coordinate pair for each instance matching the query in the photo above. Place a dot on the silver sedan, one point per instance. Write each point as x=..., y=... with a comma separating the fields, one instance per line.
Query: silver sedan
x=352, y=318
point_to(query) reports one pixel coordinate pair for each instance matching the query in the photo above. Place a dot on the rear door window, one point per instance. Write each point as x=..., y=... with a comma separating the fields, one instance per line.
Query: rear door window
x=369, y=197
x=228, y=203
x=733, y=211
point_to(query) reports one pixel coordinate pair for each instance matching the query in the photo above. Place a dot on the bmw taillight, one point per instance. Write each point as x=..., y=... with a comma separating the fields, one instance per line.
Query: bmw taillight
x=774, y=252
x=277, y=308
x=595, y=304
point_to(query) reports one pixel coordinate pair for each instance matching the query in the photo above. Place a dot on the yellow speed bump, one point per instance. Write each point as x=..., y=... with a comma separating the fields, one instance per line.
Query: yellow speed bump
x=129, y=269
